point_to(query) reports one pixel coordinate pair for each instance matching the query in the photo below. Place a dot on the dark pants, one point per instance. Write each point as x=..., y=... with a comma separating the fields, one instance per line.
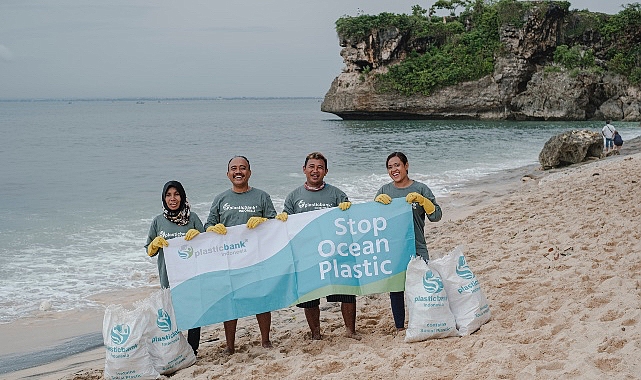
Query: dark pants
x=193, y=338
x=397, y=300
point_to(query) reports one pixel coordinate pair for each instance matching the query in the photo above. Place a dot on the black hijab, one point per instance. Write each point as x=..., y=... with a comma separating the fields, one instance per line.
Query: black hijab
x=181, y=215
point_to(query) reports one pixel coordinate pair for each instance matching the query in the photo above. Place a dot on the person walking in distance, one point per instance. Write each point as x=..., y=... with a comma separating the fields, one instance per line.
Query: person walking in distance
x=608, y=133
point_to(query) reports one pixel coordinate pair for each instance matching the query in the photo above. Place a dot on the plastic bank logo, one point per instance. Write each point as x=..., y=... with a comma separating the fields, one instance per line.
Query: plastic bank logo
x=120, y=334
x=225, y=249
x=463, y=270
x=163, y=321
x=185, y=252
x=432, y=283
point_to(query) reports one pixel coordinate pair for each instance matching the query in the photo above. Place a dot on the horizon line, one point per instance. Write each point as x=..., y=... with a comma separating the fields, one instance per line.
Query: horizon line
x=154, y=98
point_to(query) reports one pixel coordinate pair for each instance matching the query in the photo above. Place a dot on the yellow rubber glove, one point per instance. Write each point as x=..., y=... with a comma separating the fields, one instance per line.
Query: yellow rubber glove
x=219, y=228
x=383, y=198
x=155, y=245
x=344, y=205
x=192, y=233
x=282, y=216
x=428, y=206
x=254, y=221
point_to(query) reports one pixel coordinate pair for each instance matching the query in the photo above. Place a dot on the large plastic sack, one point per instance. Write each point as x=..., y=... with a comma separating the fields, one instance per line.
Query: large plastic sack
x=168, y=348
x=123, y=333
x=467, y=301
x=427, y=304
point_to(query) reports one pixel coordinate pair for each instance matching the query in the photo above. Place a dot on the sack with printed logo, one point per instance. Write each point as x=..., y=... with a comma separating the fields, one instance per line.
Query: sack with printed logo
x=168, y=347
x=427, y=304
x=467, y=301
x=123, y=333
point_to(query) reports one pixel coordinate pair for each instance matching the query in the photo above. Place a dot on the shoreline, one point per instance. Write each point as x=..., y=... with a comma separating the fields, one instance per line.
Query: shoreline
x=66, y=341
x=64, y=331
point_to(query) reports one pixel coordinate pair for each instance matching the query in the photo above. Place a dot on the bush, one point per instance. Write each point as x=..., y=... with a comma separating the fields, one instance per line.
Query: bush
x=580, y=22
x=357, y=28
x=574, y=57
x=512, y=12
x=624, y=22
x=627, y=64
x=456, y=54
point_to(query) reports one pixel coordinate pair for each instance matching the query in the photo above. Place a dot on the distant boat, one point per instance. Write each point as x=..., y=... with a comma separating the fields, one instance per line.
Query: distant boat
x=139, y=102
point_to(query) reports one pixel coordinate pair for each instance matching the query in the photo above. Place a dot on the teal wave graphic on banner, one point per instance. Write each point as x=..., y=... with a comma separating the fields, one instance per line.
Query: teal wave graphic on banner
x=225, y=295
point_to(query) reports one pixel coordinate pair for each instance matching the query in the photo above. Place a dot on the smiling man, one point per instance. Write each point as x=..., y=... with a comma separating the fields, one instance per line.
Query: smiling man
x=315, y=194
x=242, y=204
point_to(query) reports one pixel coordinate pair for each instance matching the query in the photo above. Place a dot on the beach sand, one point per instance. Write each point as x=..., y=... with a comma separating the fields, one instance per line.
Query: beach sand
x=557, y=254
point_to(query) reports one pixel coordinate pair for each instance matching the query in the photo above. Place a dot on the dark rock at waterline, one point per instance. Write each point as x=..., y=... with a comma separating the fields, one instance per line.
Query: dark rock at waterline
x=571, y=147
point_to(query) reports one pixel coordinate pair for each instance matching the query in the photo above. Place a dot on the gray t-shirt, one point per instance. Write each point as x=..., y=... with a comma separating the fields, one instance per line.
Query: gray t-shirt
x=231, y=208
x=418, y=211
x=608, y=131
x=303, y=200
x=160, y=226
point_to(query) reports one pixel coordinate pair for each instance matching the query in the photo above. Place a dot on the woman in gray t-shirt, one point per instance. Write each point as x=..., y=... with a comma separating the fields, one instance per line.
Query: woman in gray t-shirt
x=176, y=220
x=423, y=203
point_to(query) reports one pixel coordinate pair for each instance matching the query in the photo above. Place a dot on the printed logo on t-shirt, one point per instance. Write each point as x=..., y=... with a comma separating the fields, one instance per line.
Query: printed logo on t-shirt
x=313, y=206
x=250, y=208
x=172, y=235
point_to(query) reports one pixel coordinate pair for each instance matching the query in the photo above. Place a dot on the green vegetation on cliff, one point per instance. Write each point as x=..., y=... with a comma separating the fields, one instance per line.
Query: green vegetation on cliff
x=623, y=32
x=458, y=48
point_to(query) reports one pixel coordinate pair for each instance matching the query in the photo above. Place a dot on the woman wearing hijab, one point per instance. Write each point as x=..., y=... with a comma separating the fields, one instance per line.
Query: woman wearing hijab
x=177, y=220
x=423, y=203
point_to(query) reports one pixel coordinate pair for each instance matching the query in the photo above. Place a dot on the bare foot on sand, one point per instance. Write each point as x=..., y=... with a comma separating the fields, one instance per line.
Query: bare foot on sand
x=399, y=331
x=229, y=351
x=267, y=344
x=353, y=335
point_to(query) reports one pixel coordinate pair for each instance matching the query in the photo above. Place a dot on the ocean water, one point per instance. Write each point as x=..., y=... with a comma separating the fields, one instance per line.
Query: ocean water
x=82, y=180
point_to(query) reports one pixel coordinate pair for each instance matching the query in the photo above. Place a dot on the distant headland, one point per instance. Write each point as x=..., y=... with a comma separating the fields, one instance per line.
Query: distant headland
x=509, y=60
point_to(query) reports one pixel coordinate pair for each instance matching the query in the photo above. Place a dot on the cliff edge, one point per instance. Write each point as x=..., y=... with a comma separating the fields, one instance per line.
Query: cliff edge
x=526, y=83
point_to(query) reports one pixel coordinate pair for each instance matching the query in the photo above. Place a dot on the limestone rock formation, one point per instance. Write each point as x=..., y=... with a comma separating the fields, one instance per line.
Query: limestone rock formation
x=518, y=89
x=571, y=148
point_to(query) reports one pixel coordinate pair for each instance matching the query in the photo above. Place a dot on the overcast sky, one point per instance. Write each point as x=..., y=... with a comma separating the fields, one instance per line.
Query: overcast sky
x=186, y=48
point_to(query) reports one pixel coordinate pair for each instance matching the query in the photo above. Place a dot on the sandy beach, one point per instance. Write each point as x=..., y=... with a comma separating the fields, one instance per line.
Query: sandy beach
x=558, y=256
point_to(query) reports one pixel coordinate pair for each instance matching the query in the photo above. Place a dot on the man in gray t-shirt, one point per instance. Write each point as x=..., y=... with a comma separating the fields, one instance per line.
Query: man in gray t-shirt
x=315, y=194
x=241, y=204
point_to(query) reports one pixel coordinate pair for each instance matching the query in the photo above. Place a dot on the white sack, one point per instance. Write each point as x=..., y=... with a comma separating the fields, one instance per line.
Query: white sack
x=467, y=301
x=168, y=348
x=427, y=304
x=126, y=352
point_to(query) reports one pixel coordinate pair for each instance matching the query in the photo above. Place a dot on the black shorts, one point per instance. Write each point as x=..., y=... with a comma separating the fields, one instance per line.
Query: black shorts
x=346, y=298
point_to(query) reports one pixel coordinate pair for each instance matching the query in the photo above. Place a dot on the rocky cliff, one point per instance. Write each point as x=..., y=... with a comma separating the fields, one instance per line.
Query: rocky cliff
x=520, y=88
